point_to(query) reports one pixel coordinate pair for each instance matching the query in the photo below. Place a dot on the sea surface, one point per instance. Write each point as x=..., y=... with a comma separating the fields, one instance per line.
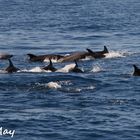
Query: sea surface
x=103, y=103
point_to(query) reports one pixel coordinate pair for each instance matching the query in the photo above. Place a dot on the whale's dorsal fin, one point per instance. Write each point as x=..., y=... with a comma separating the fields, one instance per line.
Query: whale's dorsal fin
x=136, y=71
x=76, y=65
x=105, y=50
x=10, y=63
x=11, y=68
x=50, y=67
x=51, y=64
x=76, y=68
x=89, y=50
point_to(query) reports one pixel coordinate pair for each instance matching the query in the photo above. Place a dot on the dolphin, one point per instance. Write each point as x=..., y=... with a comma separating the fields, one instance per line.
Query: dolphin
x=41, y=58
x=76, y=68
x=11, y=68
x=136, y=71
x=5, y=56
x=82, y=55
x=98, y=54
x=50, y=67
x=75, y=56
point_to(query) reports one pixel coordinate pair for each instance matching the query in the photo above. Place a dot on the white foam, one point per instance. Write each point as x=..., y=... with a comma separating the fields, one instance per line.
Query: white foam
x=66, y=82
x=91, y=87
x=77, y=89
x=53, y=85
x=88, y=88
x=53, y=60
x=114, y=54
x=67, y=54
x=66, y=68
x=35, y=69
x=3, y=71
x=96, y=69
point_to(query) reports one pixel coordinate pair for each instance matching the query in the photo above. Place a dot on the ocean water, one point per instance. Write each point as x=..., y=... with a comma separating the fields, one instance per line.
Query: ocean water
x=100, y=104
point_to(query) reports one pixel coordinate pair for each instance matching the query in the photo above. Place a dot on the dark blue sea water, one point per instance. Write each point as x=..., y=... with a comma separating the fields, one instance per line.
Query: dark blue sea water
x=100, y=104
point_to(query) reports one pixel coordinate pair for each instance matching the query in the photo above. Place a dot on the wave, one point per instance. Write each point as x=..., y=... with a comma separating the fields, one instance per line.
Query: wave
x=65, y=86
x=77, y=89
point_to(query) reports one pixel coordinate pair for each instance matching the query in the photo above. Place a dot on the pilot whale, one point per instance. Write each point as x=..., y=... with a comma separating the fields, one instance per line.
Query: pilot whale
x=136, y=71
x=11, y=68
x=50, y=67
x=41, y=58
x=82, y=55
x=5, y=56
x=98, y=54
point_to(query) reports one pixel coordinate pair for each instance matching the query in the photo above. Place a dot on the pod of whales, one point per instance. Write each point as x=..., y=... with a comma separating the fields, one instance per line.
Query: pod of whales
x=136, y=71
x=74, y=57
x=69, y=58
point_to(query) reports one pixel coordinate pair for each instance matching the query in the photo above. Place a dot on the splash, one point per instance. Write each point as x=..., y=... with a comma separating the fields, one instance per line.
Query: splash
x=90, y=87
x=50, y=85
x=114, y=54
x=35, y=70
x=79, y=89
x=65, y=82
x=84, y=88
x=2, y=71
x=66, y=68
x=53, y=60
x=53, y=85
x=96, y=69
